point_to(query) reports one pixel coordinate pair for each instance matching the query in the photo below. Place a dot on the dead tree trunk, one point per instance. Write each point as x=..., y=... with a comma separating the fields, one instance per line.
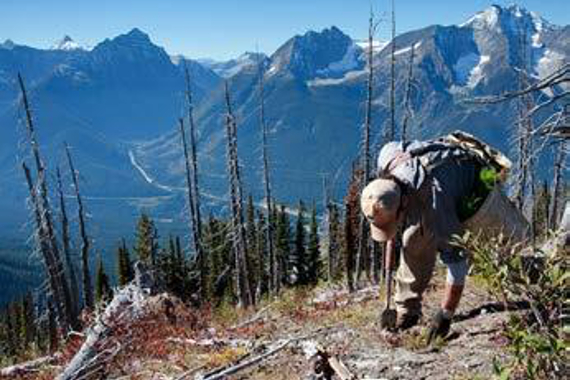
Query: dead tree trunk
x=392, y=131
x=557, y=186
x=85, y=272
x=74, y=287
x=236, y=201
x=195, y=193
x=193, y=154
x=272, y=274
x=44, y=246
x=331, y=254
x=363, y=238
x=524, y=130
x=407, y=106
x=67, y=319
x=193, y=225
x=521, y=178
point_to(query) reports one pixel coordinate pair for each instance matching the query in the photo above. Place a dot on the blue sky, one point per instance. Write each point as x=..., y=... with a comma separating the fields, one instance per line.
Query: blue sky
x=223, y=29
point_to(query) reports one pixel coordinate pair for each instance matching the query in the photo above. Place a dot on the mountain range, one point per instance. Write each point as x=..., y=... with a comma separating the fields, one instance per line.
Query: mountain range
x=117, y=105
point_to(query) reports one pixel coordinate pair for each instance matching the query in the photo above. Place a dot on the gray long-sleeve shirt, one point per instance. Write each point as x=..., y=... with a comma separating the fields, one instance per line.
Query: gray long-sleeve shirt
x=449, y=182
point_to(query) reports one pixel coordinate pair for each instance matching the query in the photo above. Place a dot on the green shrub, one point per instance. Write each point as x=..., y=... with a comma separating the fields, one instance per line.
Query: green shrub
x=537, y=337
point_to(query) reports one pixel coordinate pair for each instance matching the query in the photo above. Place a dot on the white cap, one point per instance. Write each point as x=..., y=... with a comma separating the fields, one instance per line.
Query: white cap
x=379, y=202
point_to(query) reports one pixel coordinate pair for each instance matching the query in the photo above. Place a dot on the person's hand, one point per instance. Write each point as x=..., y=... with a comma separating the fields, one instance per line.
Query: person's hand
x=440, y=326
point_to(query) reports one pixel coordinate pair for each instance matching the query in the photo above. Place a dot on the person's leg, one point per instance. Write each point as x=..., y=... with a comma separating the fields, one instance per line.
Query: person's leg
x=415, y=270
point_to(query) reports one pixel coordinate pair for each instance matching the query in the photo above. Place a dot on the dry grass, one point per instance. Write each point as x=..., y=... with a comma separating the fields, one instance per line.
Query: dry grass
x=160, y=345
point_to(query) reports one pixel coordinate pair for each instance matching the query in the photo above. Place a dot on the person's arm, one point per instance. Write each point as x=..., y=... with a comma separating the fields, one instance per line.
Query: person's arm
x=457, y=269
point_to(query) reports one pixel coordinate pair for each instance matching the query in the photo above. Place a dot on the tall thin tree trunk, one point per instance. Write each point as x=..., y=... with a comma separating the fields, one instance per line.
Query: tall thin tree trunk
x=407, y=100
x=193, y=153
x=524, y=135
x=67, y=320
x=195, y=194
x=85, y=244
x=363, y=238
x=272, y=274
x=331, y=254
x=193, y=225
x=74, y=287
x=238, y=226
x=392, y=132
x=45, y=247
x=521, y=178
x=557, y=185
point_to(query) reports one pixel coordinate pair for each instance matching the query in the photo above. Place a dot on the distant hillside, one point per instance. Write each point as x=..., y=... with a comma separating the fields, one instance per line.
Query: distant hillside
x=117, y=105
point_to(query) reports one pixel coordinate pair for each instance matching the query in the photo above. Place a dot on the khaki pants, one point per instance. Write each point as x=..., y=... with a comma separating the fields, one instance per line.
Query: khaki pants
x=417, y=262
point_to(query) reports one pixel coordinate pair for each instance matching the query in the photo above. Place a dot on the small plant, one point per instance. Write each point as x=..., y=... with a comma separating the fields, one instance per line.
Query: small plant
x=536, y=337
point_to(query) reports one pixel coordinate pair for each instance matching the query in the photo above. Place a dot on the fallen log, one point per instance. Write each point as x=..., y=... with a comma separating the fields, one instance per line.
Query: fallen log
x=99, y=348
x=191, y=371
x=221, y=373
x=26, y=367
x=233, y=369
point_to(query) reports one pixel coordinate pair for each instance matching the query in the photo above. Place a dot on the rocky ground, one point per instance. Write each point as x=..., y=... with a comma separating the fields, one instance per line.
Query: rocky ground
x=369, y=353
x=167, y=340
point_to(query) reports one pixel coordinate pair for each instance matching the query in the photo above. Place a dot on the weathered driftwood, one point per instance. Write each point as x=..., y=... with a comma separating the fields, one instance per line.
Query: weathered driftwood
x=99, y=347
x=248, y=363
x=222, y=372
x=213, y=342
x=26, y=368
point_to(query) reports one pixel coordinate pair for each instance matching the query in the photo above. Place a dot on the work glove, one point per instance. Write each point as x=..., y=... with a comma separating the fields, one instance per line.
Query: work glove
x=440, y=326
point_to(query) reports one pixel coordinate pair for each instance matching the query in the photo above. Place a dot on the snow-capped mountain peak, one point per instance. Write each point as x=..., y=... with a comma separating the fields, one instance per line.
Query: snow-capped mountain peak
x=8, y=44
x=512, y=18
x=310, y=55
x=377, y=46
x=66, y=43
x=487, y=18
x=227, y=69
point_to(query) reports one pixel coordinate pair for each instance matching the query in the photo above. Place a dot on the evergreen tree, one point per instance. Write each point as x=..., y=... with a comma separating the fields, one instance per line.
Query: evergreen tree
x=41, y=333
x=102, y=287
x=274, y=262
x=283, y=246
x=334, y=243
x=125, y=272
x=52, y=328
x=313, y=256
x=351, y=226
x=252, y=253
x=218, y=247
x=16, y=318
x=147, y=240
x=263, y=259
x=27, y=324
x=172, y=269
x=349, y=245
x=179, y=253
x=182, y=273
x=12, y=342
x=298, y=262
x=4, y=343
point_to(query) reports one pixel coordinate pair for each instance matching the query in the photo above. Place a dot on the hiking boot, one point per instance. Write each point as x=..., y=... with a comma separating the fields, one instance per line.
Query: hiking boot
x=406, y=321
